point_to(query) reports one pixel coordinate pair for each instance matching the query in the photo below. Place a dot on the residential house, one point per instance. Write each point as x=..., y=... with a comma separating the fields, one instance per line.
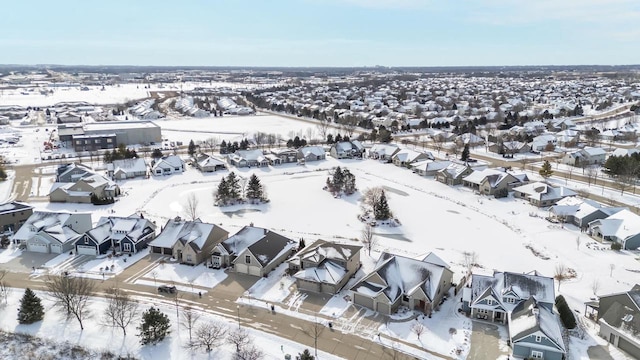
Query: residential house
x=117, y=234
x=383, y=152
x=585, y=157
x=253, y=250
x=206, y=163
x=543, y=142
x=73, y=172
x=541, y=194
x=285, y=155
x=52, y=232
x=469, y=139
x=13, y=215
x=167, y=165
x=127, y=169
x=84, y=189
x=429, y=167
x=509, y=147
x=622, y=227
x=347, y=150
x=580, y=212
x=248, y=158
x=453, y=174
x=419, y=284
x=488, y=181
x=535, y=333
x=311, y=153
x=406, y=157
x=189, y=242
x=525, y=303
x=619, y=319
x=324, y=267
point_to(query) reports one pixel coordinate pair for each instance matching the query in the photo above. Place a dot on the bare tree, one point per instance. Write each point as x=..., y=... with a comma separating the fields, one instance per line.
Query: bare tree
x=239, y=338
x=418, y=329
x=371, y=196
x=560, y=274
x=249, y=352
x=323, y=126
x=154, y=275
x=314, y=330
x=121, y=310
x=368, y=238
x=438, y=142
x=189, y=319
x=210, y=144
x=591, y=173
x=595, y=286
x=3, y=286
x=208, y=335
x=470, y=260
x=191, y=207
x=309, y=133
x=71, y=295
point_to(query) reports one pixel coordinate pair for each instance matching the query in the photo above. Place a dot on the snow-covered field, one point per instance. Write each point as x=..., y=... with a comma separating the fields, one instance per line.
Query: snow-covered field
x=100, y=337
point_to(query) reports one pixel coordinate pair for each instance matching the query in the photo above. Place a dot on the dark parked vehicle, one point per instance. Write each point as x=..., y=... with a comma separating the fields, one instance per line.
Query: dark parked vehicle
x=167, y=289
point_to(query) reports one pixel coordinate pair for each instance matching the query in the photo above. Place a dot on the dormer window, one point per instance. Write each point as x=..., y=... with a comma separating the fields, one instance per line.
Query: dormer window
x=489, y=302
x=538, y=338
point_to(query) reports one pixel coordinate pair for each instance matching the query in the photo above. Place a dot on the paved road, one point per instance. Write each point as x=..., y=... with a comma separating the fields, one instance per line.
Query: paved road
x=222, y=301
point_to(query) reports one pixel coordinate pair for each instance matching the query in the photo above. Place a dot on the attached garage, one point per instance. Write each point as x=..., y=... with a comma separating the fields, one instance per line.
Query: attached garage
x=307, y=285
x=242, y=268
x=37, y=247
x=86, y=250
x=56, y=248
x=254, y=270
x=383, y=308
x=630, y=348
x=363, y=300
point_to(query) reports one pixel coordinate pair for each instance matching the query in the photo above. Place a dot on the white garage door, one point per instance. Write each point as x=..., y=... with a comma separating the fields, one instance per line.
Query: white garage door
x=35, y=247
x=241, y=268
x=254, y=270
x=86, y=250
x=56, y=249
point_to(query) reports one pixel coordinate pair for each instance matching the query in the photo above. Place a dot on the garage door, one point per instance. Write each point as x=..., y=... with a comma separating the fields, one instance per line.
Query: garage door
x=363, y=301
x=254, y=270
x=56, y=249
x=86, y=250
x=36, y=247
x=242, y=268
x=628, y=347
x=383, y=308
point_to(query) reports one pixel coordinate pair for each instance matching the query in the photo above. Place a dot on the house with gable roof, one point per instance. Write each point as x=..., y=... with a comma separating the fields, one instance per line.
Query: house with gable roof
x=324, y=267
x=311, y=153
x=253, y=251
x=488, y=181
x=619, y=320
x=542, y=194
x=580, y=212
x=525, y=303
x=397, y=280
x=83, y=189
x=167, y=165
x=383, y=152
x=535, y=332
x=127, y=168
x=13, y=215
x=453, y=174
x=285, y=155
x=206, y=163
x=119, y=234
x=248, y=158
x=189, y=242
x=585, y=157
x=347, y=150
x=52, y=232
x=406, y=157
x=622, y=227
x=67, y=173
x=429, y=167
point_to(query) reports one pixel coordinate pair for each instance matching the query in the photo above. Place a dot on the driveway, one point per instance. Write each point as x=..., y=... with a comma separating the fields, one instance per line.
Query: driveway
x=485, y=342
x=28, y=260
x=598, y=353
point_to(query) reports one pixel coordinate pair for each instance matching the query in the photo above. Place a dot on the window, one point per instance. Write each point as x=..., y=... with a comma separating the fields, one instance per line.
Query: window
x=510, y=300
x=483, y=311
x=78, y=142
x=126, y=247
x=489, y=302
x=538, y=338
x=247, y=259
x=109, y=141
x=536, y=354
x=86, y=241
x=97, y=141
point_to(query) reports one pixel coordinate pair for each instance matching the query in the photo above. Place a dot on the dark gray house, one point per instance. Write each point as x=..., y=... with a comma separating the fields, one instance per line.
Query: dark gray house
x=619, y=319
x=121, y=234
x=13, y=215
x=535, y=333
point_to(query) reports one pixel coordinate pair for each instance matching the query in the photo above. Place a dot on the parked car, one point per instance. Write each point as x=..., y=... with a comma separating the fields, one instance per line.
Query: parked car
x=169, y=289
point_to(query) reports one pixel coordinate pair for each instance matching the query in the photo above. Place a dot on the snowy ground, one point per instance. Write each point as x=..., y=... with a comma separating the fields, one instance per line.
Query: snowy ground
x=100, y=337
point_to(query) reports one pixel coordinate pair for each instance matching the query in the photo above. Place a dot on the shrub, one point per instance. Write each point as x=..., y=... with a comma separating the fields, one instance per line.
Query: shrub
x=566, y=315
x=616, y=246
x=501, y=193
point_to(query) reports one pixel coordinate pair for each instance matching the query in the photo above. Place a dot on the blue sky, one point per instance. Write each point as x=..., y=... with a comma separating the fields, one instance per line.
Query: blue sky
x=320, y=32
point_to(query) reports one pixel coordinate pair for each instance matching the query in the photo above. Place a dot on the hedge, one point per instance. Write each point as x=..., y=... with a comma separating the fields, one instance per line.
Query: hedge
x=566, y=315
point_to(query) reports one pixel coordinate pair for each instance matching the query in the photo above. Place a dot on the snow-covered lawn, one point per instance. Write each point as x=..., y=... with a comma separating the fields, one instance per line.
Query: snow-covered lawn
x=179, y=273
x=100, y=267
x=100, y=337
x=6, y=187
x=9, y=254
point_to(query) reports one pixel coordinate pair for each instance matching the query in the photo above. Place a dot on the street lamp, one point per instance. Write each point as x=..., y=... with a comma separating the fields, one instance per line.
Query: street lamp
x=238, y=308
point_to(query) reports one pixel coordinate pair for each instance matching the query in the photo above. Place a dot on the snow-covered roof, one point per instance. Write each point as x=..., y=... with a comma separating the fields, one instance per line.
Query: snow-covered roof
x=528, y=318
x=57, y=225
x=314, y=150
x=431, y=165
x=328, y=272
x=130, y=165
x=523, y=285
x=193, y=233
x=622, y=225
x=541, y=191
x=384, y=149
x=409, y=156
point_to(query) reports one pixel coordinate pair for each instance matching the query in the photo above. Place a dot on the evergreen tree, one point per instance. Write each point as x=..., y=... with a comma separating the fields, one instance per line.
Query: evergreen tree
x=233, y=186
x=156, y=154
x=381, y=208
x=154, y=327
x=465, y=153
x=254, y=188
x=222, y=195
x=348, y=182
x=223, y=147
x=329, y=139
x=31, y=309
x=192, y=148
x=338, y=138
x=305, y=355
x=3, y=173
x=546, y=171
x=338, y=180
